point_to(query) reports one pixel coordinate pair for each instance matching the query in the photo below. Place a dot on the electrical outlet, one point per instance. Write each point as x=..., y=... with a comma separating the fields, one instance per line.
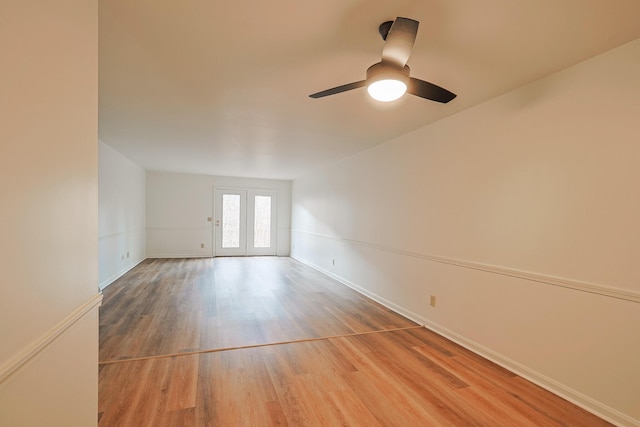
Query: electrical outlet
x=202, y=245
x=209, y=219
x=432, y=301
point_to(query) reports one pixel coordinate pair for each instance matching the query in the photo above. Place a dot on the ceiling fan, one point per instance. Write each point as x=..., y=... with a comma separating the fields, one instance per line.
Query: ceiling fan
x=389, y=79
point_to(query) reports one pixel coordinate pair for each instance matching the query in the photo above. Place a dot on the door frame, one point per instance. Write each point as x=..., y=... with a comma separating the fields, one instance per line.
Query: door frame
x=273, y=249
x=247, y=212
x=217, y=223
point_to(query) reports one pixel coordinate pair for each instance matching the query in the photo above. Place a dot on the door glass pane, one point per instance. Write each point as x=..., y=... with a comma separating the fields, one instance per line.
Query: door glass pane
x=262, y=222
x=230, y=220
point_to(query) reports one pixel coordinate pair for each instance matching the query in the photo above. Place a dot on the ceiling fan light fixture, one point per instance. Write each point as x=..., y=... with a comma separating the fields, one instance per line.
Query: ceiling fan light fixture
x=389, y=79
x=386, y=82
x=387, y=90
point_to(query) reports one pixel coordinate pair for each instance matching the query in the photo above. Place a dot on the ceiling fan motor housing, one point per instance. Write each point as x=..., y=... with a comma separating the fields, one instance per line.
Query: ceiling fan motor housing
x=386, y=71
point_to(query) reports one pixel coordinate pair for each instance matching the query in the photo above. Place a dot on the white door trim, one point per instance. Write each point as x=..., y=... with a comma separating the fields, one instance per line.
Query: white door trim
x=247, y=221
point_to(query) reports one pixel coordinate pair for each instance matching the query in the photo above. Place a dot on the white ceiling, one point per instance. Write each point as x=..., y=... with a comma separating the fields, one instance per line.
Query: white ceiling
x=221, y=87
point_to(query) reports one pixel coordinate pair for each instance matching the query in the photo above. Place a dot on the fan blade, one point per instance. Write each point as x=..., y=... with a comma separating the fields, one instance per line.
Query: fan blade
x=430, y=91
x=339, y=89
x=399, y=43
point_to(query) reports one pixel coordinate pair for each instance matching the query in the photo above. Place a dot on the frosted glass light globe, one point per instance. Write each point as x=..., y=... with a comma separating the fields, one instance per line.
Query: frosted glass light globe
x=387, y=90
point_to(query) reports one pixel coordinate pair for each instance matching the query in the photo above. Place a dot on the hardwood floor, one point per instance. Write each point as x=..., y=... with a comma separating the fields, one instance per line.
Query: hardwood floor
x=267, y=341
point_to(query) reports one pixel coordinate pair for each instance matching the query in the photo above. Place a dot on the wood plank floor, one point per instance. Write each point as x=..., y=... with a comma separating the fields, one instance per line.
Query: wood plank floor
x=208, y=342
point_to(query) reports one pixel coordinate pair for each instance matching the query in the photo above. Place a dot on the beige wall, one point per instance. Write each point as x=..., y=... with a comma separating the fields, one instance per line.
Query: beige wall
x=178, y=206
x=520, y=215
x=48, y=163
x=121, y=214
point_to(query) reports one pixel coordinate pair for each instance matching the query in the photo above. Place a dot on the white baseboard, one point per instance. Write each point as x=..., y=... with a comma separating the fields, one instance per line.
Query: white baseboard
x=167, y=256
x=585, y=402
x=597, y=408
x=118, y=275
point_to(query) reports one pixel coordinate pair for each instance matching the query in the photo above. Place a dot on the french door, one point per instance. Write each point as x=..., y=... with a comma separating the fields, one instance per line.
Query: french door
x=244, y=222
